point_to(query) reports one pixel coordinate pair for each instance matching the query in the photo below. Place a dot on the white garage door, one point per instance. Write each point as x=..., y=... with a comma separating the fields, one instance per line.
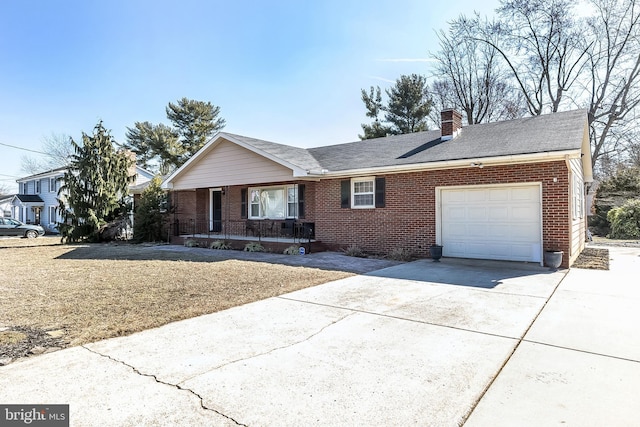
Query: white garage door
x=502, y=223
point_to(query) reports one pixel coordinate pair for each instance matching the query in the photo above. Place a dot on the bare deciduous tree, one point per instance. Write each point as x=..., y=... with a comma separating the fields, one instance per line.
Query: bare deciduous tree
x=543, y=48
x=614, y=80
x=58, y=151
x=4, y=189
x=471, y=76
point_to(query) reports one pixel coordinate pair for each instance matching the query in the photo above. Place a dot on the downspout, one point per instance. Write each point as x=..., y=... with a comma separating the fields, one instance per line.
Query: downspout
x=569, y=252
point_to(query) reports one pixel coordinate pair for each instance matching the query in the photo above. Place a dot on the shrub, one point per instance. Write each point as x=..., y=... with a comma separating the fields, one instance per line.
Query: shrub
x=292, y=250
x=149, y=224
x=613, y=192
x=253, y=247
x=355, y=251
x=219, y=244
x=625, y=220
x=191, y=243
x=400, y=254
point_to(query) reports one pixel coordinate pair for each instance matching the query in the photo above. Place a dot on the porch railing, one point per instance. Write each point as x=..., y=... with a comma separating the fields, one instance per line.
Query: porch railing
x=245, y=229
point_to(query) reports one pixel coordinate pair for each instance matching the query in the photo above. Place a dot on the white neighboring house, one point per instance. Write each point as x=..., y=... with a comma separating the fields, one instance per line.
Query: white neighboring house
x=37, y=200
x=5, y=206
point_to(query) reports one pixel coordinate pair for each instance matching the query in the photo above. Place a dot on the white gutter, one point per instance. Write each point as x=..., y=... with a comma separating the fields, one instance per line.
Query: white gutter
x=454, y=164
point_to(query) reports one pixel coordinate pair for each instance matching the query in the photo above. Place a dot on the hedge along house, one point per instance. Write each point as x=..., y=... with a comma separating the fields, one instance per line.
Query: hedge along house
x=507, y=191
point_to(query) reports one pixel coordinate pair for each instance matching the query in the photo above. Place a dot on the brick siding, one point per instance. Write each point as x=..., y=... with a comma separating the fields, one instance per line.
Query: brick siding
x=408, y=218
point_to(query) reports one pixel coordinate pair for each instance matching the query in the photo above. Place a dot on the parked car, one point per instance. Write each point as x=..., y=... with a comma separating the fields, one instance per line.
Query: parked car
x=13, y=227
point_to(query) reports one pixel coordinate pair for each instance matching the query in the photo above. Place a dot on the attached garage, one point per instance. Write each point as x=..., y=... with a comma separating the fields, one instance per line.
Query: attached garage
x=502, y=222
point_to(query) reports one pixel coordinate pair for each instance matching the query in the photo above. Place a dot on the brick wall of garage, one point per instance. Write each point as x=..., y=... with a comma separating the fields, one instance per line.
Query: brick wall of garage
x=408, y=218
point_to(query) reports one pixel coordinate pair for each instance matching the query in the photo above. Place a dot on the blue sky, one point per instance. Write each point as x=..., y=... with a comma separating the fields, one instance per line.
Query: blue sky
x=284, y=71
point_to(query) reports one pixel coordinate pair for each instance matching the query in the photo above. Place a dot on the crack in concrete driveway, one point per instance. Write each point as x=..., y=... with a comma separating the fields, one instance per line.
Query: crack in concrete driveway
x=176, y=386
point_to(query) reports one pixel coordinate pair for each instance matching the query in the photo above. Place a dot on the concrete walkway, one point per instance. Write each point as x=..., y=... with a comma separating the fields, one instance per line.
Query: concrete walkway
x=486, y=343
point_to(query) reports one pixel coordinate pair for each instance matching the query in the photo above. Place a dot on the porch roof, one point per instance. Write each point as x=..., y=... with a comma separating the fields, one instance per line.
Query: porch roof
x=29, y=199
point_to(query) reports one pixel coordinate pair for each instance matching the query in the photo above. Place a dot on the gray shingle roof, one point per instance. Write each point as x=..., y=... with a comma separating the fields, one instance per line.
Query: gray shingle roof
x=541, y=134
x=295, y=155
x=547, y=133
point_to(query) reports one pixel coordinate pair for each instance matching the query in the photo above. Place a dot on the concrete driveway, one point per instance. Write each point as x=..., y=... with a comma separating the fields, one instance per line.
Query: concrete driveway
x=424, y=343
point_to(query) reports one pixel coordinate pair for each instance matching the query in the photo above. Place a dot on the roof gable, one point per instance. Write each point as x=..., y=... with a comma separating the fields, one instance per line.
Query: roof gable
x=295, y=159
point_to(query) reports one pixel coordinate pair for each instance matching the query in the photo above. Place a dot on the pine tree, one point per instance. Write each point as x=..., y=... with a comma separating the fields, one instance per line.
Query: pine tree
x=95, y=186
x=406, y=111
x=373, y=103
x=195, y=122
x=156, y=144
x=164, y=148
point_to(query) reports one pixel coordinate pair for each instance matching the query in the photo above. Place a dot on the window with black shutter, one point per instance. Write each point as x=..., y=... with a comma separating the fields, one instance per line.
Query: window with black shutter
x=243, y=203
x=345, y=193
x=380, y=184
x=363, y=193
x=301, y=189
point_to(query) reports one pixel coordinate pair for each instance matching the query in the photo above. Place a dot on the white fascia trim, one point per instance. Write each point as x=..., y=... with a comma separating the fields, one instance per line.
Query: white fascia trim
x=458, y=164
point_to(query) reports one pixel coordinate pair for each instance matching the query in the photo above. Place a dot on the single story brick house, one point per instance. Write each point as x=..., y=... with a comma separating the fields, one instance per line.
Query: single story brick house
x=506, y=191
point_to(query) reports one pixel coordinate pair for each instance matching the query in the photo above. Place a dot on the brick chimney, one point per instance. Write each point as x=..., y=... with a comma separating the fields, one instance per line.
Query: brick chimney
x=451, y=124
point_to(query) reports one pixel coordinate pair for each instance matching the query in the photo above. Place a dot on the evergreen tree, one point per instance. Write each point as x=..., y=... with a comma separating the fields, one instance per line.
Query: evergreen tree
x=406, y=111
x=95, y=186
x=195, y=122
x=149, y=221
x=373, y=104
x=164, y=148
x=155, y=146
x=409, y=105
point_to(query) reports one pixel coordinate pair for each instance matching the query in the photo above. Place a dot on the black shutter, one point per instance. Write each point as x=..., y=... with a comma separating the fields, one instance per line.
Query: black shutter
x=301, y=200
x=345, y=193
x=243, y=203
x=380, y=183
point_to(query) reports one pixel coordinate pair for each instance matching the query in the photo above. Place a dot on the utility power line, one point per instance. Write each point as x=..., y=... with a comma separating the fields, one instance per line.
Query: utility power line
x=24, y=149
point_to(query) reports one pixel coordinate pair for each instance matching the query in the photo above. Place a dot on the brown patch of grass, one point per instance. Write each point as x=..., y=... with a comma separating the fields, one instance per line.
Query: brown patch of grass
x=593, y=258
x=101, y=291
x=11, y=337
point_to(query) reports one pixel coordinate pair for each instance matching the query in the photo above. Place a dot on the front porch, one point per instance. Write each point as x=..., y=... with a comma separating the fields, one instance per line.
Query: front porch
x=274, y=235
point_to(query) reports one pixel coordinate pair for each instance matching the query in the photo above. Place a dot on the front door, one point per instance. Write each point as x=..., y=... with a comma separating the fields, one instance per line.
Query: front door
x=36, y=215
x=216, y=211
